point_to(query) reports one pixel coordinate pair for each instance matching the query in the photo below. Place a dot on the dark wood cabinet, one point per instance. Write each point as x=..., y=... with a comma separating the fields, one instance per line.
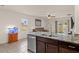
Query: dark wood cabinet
x=12, y=37
x=67, y=50
x=40, y=47
x=50, y=48
x=47, y=45
x=65, y=47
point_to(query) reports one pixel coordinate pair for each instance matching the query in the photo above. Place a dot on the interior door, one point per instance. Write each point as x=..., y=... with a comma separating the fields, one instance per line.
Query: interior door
x=50, y=48
x=40, y=47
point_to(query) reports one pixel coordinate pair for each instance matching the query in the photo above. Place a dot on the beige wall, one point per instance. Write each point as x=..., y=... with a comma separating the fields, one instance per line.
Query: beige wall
x=8, y=17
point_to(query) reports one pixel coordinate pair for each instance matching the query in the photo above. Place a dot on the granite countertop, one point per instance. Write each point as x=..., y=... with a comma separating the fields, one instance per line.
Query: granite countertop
x=66, y=38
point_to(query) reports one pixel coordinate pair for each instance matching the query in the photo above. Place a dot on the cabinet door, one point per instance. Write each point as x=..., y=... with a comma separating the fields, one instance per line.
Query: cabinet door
x=65, y=47
x=15, y=37
x=67, y=50
x=40, y=47
x=12, y=37
x=50, y=48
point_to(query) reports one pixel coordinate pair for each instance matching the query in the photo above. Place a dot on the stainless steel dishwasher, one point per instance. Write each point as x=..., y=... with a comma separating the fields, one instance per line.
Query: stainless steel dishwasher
x=31, y=43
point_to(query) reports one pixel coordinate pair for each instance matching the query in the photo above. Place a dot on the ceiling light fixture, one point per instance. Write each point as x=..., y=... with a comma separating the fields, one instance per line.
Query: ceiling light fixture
x=49, y=16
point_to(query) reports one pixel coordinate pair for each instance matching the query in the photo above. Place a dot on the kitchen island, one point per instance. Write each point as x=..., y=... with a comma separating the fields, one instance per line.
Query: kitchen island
x=56, y=44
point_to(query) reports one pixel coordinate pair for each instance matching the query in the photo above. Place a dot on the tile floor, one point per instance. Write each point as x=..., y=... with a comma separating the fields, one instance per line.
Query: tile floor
x=16, y=47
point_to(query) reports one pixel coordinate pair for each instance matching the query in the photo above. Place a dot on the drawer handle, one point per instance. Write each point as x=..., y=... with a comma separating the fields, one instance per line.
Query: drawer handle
x=71, y=47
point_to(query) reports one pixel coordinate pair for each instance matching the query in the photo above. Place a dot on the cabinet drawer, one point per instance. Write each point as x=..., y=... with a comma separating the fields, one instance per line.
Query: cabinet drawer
x=67, y=50
x=41, y=39
x=63, y=44
x=47, y=40
x=70, y=47
x=52, y=41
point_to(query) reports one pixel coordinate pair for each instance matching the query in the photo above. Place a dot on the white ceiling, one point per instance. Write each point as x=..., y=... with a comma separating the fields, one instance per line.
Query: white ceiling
x=42, y=10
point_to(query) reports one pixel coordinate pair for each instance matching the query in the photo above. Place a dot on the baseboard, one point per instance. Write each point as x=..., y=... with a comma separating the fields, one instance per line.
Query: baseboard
x=3, y=42
x=22, y=38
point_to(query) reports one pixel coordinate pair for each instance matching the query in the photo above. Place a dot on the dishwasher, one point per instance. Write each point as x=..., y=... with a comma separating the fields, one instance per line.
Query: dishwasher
x=32, y=43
